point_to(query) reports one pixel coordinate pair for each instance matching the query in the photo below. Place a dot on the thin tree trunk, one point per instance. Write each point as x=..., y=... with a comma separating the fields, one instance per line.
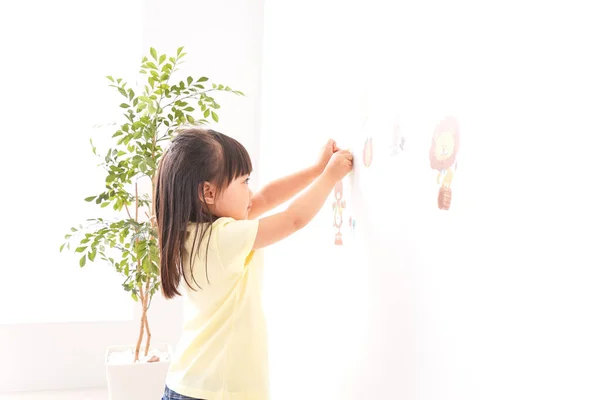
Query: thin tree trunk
x=141, y=290
x=146, y=306
x=141, y=335
x=148, y=336
x=154, y=226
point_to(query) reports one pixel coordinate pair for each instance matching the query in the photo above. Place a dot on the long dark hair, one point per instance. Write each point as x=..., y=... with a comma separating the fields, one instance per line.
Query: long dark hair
x=195, y=156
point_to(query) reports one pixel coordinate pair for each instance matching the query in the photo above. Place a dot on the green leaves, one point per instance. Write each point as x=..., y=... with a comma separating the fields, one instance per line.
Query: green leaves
x=151, y=114
x=134, y=243
x=93, y=147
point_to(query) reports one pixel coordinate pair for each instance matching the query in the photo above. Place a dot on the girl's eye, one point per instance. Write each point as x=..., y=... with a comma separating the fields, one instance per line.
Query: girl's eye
x=247, y=181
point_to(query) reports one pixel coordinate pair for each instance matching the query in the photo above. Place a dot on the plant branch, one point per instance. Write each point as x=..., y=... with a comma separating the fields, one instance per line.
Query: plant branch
x=196, y=93
x=127, y=209
x=136, y=202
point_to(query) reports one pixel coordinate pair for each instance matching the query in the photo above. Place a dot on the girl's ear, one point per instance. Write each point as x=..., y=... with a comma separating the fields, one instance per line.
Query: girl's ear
x=209, y=191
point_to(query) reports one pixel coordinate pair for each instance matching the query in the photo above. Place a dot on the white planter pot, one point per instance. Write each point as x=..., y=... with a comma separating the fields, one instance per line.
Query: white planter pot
x=141, y=381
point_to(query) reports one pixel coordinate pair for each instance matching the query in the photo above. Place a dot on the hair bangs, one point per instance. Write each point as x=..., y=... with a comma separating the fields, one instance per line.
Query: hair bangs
x=235, y=158
x=241, y=162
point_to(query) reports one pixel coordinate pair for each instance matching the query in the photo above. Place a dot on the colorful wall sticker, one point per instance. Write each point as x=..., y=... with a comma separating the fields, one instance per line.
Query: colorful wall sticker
x=442, y=158
x=338, y=208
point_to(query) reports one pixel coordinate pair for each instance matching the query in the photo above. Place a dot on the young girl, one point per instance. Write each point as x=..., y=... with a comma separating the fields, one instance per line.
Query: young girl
x=211, y=254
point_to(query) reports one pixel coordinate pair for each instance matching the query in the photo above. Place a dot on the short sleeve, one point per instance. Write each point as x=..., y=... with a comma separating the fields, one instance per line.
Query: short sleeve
x=235, y=240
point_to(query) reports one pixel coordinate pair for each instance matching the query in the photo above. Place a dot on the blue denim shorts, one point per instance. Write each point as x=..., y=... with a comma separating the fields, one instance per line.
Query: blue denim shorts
x=171, y=395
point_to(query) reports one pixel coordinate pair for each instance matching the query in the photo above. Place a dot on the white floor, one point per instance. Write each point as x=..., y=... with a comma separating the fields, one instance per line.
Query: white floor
x=88, y=394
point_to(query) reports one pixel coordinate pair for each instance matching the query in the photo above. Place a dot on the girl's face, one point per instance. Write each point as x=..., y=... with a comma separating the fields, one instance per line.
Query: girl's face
x=234, y=201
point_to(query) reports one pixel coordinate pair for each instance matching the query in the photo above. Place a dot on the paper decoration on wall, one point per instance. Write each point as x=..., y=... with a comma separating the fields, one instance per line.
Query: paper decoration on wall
x=442, y=158
x=338, y=208
x=397, y=141
x=368, y=152
x=352, y=225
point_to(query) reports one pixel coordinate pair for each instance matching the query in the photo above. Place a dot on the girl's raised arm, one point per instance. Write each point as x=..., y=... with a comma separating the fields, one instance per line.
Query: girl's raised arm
x=301, y=211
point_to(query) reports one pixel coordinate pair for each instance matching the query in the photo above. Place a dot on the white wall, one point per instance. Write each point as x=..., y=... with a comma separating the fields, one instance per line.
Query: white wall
x=224, y=42
x=496, y=298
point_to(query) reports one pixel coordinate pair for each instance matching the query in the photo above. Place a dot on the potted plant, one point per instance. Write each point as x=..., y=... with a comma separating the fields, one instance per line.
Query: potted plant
x=129, y=244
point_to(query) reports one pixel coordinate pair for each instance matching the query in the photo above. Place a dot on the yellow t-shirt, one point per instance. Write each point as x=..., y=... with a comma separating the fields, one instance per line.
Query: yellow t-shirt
x=222, y=353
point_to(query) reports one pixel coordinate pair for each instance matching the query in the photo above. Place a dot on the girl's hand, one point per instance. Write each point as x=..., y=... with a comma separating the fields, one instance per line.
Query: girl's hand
x=328, y=150
x=339, y=165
